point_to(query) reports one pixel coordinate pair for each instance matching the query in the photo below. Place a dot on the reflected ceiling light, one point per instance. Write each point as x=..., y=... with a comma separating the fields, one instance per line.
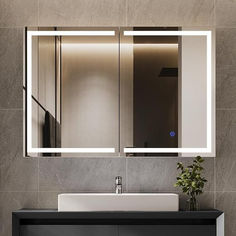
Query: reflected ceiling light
x=159, y=45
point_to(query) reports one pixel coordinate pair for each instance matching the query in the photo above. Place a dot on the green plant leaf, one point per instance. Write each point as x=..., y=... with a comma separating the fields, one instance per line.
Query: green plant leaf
x=190, y=178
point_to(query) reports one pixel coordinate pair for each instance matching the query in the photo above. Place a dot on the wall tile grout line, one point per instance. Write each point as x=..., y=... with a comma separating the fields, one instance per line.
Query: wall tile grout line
x=38, y=13
x=126, y=175
x=214, y=180
x=214, y=21
x=11, y=109
x=69, y=191
x=214, y=162
x=166, y=25
x=126, y=12
x=19, y=191
x=225, y=109
x=38, y=158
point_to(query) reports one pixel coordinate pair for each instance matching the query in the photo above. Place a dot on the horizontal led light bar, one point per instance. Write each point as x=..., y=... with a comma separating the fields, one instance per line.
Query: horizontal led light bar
x=208, y=149
x=72, y=33
x=30, y=34
x=167, y=150
x=166, y=33
x=72, y=150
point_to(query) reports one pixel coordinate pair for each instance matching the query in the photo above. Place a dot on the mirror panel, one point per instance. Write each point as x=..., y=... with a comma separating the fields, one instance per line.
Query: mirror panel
x=75, y=93
x=129, y=91
x=166, y=88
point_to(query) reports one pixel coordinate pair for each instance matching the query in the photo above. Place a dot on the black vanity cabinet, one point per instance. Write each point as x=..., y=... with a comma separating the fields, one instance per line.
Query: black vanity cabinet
x=54, y=223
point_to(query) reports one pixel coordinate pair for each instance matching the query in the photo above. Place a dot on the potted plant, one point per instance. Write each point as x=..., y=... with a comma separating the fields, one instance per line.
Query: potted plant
x=191, y=181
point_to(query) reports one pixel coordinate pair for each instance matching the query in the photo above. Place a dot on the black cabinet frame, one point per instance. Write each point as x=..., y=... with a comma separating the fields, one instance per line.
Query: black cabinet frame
x=53, y=217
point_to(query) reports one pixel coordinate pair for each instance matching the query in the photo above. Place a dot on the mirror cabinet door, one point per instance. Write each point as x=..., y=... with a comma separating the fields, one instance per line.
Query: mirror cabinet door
x=75, y=92
x=166, y=92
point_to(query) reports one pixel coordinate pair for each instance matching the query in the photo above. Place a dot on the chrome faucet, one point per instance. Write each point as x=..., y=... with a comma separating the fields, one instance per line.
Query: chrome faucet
x=118, y=184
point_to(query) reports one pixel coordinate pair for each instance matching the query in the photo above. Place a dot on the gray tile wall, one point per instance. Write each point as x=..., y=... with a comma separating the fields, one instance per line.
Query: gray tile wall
x=35, y=183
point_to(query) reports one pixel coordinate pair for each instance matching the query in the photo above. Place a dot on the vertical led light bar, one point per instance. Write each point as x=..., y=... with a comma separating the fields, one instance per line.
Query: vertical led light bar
x=29, y=92
x=30, y=34
x=209, y=92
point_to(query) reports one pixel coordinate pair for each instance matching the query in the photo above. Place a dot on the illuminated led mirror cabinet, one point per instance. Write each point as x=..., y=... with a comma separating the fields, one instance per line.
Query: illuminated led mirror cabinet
x=119, y=92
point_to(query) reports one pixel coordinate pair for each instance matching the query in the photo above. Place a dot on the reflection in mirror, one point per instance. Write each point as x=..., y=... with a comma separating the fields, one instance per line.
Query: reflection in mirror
x=155, y=91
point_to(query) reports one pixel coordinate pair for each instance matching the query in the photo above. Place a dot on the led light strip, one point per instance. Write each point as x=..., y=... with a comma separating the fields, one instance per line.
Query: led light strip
x=209, y=92
x=72, y=33
x=72, y=150
x=166, y=33
x=112, y=33
x=30, y=34
x=166, y=150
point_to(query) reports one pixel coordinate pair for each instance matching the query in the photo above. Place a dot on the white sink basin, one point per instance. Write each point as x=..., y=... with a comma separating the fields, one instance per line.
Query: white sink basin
x=118, y=202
